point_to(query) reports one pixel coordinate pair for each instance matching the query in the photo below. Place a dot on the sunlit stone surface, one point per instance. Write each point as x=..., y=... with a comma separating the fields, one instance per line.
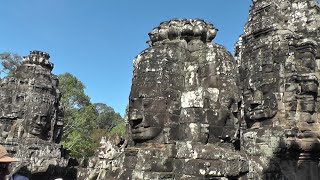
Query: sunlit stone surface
x=195, y=112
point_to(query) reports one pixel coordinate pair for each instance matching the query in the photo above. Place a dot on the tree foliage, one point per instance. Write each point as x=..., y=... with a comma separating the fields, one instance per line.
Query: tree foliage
x=79, y=115
x=9, y=62
x=107, y=117
x=77, y=137
x=85, y=123
x=72, y=90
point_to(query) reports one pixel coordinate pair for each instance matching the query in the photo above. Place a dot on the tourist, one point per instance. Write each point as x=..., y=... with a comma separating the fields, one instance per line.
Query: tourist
x=5, y=161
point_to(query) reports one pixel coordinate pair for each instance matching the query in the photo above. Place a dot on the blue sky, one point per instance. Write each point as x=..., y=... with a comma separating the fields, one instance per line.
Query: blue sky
x=96, y=40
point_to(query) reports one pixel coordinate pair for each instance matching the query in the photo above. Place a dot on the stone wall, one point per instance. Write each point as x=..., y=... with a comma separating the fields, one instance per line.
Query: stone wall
x=278, y=56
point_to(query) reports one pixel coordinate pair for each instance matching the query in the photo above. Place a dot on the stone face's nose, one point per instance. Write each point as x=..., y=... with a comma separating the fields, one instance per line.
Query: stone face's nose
x=257, y=98
x=135, y=115
x=136, y=118
x=37, y=119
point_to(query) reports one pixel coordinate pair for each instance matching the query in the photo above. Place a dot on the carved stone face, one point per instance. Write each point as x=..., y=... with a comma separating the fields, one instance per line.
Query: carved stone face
x=38, y=121
x=261, y=81
x=306, y=62
x=39, y=107
x=259, y=106
x=260, y=102
x=145, y=123
x=148, y=100
x=29, y=101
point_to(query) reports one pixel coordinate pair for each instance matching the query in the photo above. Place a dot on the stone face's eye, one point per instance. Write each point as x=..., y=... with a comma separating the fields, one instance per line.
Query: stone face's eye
x=248, y=95
x=44, y=119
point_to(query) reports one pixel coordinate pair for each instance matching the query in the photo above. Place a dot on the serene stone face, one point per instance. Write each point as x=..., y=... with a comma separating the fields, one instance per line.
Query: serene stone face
x=145, y=125
x=183, y=107
x=31, y=119
x=260, y=82
x=147, y=106
x=259, y=103
x=38, y=121
x=280, y=86
x=30, y=100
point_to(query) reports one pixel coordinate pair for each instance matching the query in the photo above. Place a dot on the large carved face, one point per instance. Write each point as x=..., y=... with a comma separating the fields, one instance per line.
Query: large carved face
x=30, y=98
x=37, y=120
x=146, y=125
x=259, y=87
x=39, y=107
x=148, y=101
x=259, y=104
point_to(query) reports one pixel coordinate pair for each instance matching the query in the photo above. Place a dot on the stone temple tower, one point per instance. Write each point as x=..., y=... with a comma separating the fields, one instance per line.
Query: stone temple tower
x=183, y=108
x=31, y=118
x=279, y=73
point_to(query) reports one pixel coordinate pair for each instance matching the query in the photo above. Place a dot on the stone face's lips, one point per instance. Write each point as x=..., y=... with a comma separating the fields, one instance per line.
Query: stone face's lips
x=139, y=130
x=36, y=130
x=259, y=109
x=145, y=133
x=144, y=129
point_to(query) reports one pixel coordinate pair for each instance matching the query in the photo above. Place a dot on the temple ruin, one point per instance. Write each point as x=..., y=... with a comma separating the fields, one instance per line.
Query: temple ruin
x=32, y=118
x=195, y=110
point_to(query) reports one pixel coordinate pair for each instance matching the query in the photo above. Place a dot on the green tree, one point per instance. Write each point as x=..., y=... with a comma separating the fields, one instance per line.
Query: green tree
x=72, y=90
x=79, y=116
x=108, y=123
x=119, y=129
x=85, y=123
x=73, y=99
x=107, y=117
x=78, y=137
x=9, y=62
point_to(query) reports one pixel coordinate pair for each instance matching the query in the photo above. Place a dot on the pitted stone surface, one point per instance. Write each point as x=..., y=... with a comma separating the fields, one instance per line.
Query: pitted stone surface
x=183, y=29
x=31, y=117
x=255, y=117
x=278, y=56
x=183, y=106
